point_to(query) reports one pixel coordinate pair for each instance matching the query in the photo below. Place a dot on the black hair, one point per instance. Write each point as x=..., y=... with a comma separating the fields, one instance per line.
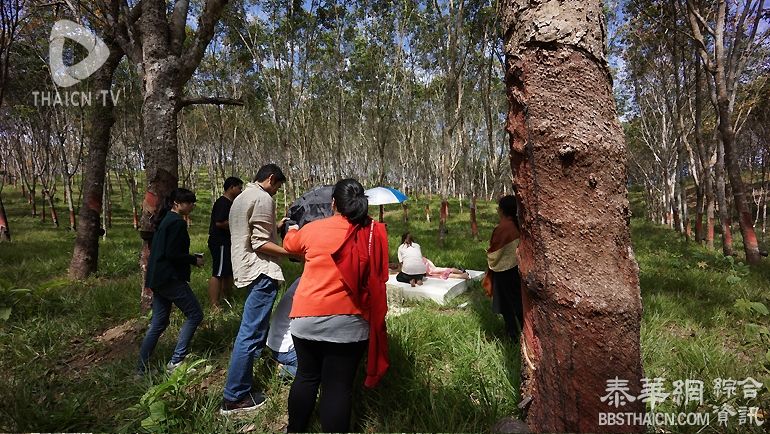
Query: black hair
x=351, y=201
x=407, y=238
x=265, y=171
x=232, y=182
x=507, y=205
x=180, y=195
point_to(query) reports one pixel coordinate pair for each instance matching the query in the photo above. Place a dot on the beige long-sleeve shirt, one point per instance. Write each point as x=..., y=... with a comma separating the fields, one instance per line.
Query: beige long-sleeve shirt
x=252, y=224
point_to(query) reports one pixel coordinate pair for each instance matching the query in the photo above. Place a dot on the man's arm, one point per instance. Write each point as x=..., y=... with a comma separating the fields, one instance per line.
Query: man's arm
x=272, y=249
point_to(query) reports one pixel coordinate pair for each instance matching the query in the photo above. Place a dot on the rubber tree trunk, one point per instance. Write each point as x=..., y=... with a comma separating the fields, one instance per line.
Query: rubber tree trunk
x=159, y=116
x=443, y=215
x=5, y=230
x=699, y=209
x=85, y=257
x=474, y=223
x=724, y=210
x=70, y=202
x=750, y=245
x=54, y=214
x=582, y=304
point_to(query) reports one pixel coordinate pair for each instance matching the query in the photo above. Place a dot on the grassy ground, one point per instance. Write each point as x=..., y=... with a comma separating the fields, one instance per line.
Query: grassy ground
x=68, y=349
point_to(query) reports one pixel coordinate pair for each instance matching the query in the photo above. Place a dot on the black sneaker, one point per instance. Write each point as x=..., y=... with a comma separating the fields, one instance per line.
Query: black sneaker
x=250, y=402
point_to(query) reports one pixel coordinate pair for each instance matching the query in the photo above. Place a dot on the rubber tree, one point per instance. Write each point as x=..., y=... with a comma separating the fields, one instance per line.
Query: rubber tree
x=582, y=303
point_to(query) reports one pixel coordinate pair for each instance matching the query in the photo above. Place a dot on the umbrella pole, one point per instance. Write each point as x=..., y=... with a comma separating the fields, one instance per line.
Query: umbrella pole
x=382, y=207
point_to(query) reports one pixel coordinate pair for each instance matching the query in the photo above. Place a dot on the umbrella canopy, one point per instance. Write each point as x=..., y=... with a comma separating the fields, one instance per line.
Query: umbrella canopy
x=384, y=196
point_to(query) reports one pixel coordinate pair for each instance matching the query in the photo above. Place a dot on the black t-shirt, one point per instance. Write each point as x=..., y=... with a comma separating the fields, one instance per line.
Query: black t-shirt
x=219, y=213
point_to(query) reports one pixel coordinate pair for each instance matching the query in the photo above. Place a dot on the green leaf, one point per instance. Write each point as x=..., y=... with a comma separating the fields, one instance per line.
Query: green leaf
x=759, y=308
x=5, y=313
x=733, y=279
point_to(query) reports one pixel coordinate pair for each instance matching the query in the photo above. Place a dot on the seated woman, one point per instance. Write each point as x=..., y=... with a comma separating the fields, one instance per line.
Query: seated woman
x=413, y=268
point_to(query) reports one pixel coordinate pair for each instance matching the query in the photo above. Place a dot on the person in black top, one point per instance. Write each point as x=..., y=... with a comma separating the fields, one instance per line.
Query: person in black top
x=168, y=274
x=221, y=281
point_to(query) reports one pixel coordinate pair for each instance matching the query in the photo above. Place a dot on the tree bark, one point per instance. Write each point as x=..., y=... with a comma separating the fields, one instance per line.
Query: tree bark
x=54, y=214
x=85, y=257
x=724, y=210
x=443, y=214
x=474, y=224
x=5, y=230
x=582, y=303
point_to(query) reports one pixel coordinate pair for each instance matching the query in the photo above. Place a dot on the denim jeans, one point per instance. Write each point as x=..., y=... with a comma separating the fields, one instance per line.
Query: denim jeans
x=251, y=338
x=288, y=360
x=180, y=294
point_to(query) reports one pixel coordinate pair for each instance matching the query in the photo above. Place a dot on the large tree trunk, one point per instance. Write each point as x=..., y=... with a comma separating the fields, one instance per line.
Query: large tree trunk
x=85, y=257
x=159, y=117
x=582, y=303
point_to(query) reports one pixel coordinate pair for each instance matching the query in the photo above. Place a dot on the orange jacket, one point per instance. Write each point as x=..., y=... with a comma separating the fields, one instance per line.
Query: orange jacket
x=321, y=291
x=363, y=262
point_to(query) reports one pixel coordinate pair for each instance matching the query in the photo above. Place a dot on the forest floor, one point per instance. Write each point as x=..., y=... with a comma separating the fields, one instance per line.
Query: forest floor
x=68, y=349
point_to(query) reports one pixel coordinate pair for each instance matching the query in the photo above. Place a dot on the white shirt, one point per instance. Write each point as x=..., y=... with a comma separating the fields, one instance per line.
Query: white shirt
x=279, y=335
x=252, y=224
x=411, y=259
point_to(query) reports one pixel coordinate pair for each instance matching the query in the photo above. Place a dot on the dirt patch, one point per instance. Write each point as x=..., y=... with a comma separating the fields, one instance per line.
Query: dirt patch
x=113, y=344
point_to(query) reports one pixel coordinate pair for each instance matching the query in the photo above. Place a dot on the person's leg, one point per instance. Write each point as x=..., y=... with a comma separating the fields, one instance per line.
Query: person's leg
x=227, y=287
x=338, y=373
x=504, y=292
x=288, y=361
x=227, y=273
x=183, y=297
x=215, y=282
x=403, y=278
x=304, y=389
x=251, y=338
x=518, y=304
x=161, y=311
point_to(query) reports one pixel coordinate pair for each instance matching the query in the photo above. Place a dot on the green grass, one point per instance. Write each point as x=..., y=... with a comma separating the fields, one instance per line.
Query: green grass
x=452, y=369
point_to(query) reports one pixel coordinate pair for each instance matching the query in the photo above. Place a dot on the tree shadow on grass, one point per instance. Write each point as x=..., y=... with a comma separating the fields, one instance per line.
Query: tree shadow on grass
x=679, y=278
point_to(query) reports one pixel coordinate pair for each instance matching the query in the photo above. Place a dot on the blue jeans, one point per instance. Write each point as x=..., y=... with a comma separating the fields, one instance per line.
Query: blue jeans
x=180, y=294
x=251, y=338
x=289, y=361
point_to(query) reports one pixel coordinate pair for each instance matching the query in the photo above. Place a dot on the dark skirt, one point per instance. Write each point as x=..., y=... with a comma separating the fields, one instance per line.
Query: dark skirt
x=506, y=299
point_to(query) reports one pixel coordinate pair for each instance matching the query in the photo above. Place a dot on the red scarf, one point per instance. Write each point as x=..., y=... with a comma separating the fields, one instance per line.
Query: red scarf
x=363, y=263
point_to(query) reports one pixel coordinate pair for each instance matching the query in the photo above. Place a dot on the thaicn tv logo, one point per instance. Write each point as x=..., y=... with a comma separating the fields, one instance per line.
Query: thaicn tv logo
x=67, y=76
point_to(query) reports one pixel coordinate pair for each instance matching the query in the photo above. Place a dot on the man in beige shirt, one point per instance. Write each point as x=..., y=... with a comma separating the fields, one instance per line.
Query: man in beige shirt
x=256, y=258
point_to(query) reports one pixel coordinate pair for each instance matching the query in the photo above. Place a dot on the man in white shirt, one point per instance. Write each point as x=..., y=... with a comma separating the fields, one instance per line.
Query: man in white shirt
x=256, y=258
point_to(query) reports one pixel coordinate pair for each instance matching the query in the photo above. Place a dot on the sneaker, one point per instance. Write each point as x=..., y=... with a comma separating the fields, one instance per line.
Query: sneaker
x=171, y=366
x=250, y=402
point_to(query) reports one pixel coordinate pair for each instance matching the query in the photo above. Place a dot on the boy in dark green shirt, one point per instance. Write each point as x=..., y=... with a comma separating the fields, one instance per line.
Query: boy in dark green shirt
x=168, y=274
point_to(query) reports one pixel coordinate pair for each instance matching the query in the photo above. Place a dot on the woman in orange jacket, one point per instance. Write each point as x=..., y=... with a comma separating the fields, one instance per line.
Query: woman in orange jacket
x=339, y=308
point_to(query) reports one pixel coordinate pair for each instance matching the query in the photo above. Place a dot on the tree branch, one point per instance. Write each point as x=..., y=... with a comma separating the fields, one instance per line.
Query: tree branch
x=178, y=25
x=212, y=11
